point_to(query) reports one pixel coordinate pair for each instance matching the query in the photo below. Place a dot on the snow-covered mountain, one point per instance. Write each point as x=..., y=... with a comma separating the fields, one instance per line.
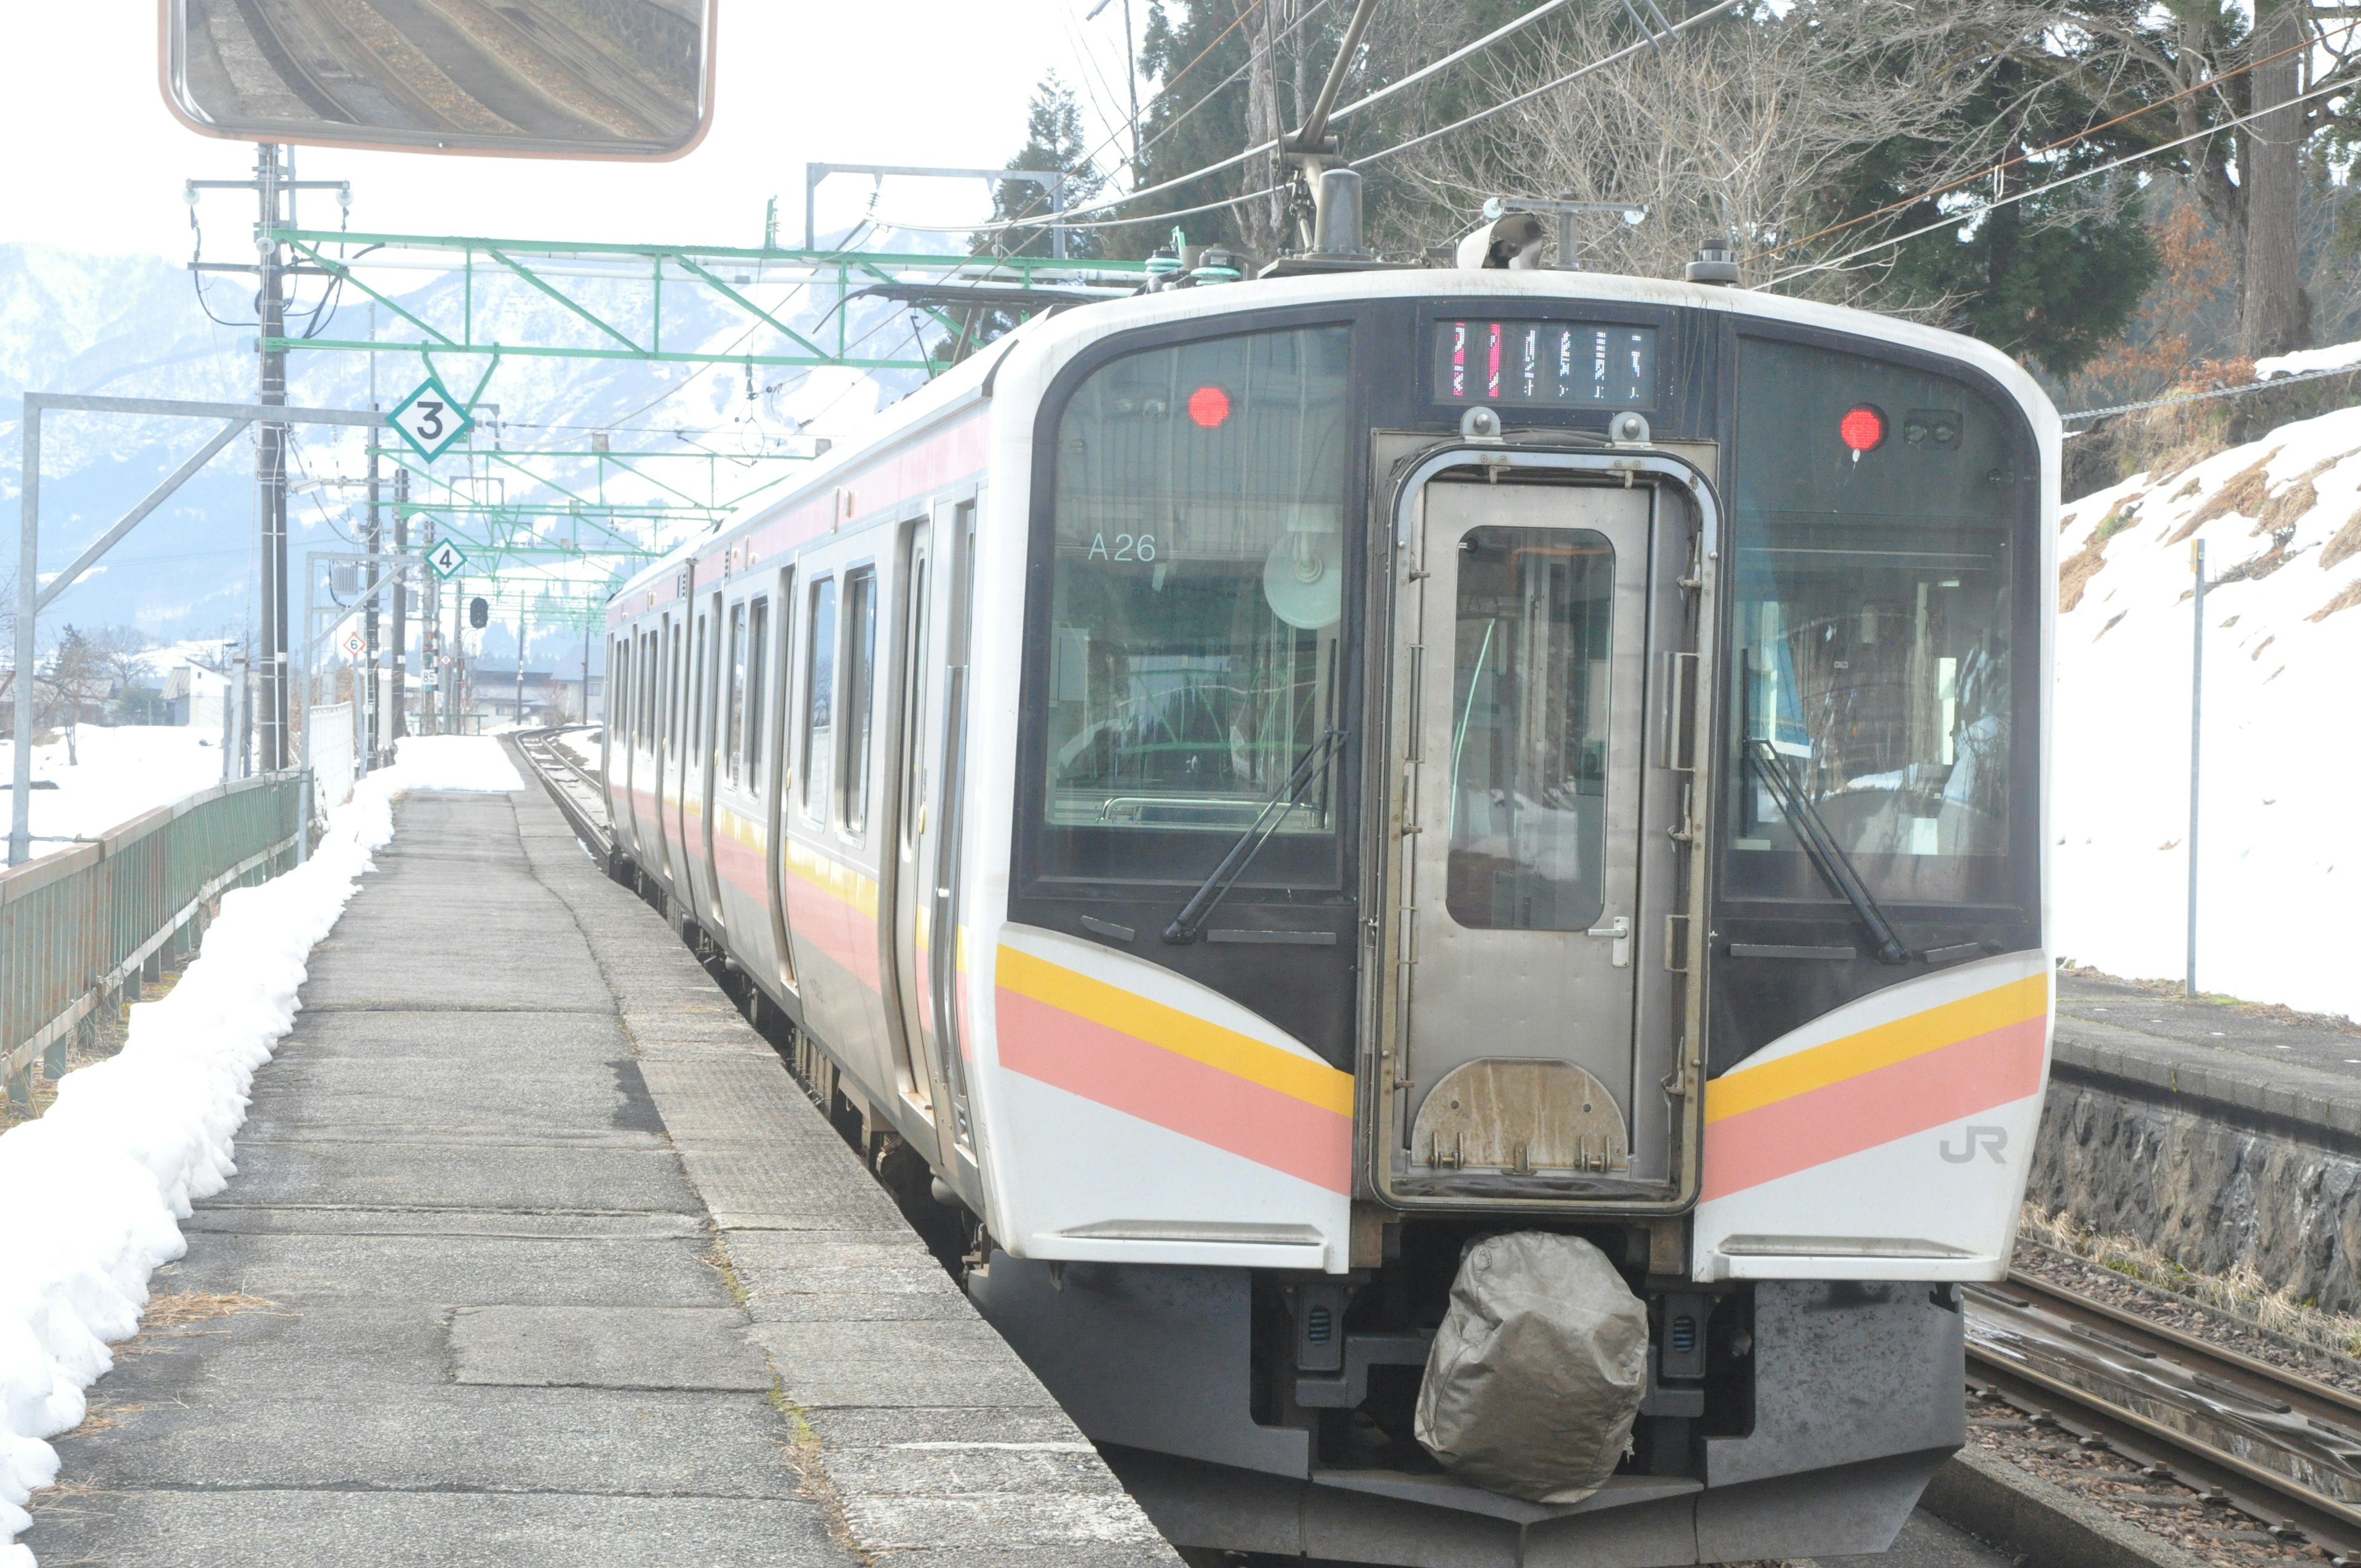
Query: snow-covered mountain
x=2279, y=843
x=134, y=326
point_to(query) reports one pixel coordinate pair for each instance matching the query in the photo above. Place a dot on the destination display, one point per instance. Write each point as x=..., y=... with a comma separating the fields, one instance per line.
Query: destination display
x=1545, y=364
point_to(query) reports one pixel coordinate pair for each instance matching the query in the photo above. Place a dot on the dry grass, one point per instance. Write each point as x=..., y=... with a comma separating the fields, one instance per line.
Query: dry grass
x=2347, y=599
x=2074, y=574
x=2246, y=492
x=2346, y=542
x=2241, y=1291
x=178, y=1308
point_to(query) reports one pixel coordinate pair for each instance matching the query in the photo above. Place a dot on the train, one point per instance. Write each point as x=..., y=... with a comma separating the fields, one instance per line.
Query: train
x=1280, y=791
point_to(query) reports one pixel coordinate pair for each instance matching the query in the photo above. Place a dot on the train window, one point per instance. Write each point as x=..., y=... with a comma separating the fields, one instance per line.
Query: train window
x=819, y=697
x=859, y=700
x=696, y=695
x=758, y=626
x=648, y=691
x=733, y=741
x=1529, y=728
x=619, y=686
x=673, y=700
x=1196, y=572
x=1876, y=623
x=914, y=701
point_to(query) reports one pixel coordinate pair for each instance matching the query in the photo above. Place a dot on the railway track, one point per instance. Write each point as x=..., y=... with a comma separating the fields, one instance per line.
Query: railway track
x=2272, y=1444
x=579, y=791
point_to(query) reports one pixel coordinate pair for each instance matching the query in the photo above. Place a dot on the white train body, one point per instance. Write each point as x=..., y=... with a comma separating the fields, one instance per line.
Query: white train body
x=935, y=750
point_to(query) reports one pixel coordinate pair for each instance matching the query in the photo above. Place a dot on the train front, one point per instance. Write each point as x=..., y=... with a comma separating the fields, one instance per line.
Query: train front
x=1521, y=988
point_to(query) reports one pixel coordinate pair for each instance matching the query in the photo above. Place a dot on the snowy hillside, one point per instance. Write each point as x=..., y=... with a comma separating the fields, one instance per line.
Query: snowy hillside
x=2281, y=844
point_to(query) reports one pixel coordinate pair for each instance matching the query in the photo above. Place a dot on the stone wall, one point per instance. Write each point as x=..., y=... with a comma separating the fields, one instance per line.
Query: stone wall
x=2212, y=1178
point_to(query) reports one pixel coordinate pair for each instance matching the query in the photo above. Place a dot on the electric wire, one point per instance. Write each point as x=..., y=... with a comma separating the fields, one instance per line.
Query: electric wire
x=2030, y=153
x=1379, y=95
x=1652, y=40
x=1960, y=220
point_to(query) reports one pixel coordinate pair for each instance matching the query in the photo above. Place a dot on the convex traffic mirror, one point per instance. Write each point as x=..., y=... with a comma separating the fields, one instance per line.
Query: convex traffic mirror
x=621, y=79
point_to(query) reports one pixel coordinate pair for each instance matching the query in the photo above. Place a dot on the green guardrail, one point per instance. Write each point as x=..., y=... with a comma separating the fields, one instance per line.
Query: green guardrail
x=85, y=927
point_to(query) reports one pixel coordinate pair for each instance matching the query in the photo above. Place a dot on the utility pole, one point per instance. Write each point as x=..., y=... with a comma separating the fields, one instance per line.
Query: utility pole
x=373, y=660
x=2196, y=739
x=271, y=459
x=275, y=187
x=398, y=727
x=519, y=714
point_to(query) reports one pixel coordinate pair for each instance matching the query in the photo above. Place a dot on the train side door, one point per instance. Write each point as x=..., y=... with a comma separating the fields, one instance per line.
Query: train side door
x=904, y=857
x=1519, y=876
x=940, y=853
x=779, y=779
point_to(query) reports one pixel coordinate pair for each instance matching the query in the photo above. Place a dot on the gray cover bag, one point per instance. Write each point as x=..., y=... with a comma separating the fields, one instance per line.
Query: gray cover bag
x=1537, y=1371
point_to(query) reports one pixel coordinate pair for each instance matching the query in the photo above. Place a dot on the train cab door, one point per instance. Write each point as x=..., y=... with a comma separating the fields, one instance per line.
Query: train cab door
x=1519, y=879
x=905, y=857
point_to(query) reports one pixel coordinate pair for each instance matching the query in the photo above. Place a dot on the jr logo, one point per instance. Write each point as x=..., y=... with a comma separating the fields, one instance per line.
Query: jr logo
x=1991, y=1140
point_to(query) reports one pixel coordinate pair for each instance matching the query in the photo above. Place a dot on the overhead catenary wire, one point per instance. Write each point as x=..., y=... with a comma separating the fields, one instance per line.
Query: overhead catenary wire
x=1959, y=220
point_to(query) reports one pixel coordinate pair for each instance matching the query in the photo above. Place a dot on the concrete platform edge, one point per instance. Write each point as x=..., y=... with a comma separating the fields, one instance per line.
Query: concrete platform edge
x=2048, y=1528
x=924, y=1441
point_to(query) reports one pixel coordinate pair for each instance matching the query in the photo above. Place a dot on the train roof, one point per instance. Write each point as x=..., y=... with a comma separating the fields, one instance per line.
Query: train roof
x=1036, y=349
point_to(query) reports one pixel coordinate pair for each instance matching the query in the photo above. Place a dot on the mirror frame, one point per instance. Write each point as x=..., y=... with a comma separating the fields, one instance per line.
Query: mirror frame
x=171, y=19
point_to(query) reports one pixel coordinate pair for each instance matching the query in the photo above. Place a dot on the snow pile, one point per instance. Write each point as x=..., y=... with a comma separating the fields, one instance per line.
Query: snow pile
x=124, y=771
x=2335, y=357
x=2281, y=844
x=90, y=1192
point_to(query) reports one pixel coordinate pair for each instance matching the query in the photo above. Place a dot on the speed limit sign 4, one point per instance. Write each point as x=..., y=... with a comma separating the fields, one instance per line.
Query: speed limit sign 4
x=430, y=419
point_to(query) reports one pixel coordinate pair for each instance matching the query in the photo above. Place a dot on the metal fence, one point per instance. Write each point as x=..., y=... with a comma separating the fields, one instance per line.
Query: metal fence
x=83, y=928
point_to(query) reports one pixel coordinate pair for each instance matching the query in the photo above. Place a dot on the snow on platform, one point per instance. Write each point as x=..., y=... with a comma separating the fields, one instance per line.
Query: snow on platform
x=2280, y=869
x=91, y=1193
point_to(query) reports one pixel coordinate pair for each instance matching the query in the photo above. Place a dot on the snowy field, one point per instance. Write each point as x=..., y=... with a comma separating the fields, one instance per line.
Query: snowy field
x=2280, y=847
x=91, y=1193
x=123, y=772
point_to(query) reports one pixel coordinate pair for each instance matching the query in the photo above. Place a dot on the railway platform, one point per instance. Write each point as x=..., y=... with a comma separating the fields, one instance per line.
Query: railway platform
x=537, y=1255
x=2264, y=1066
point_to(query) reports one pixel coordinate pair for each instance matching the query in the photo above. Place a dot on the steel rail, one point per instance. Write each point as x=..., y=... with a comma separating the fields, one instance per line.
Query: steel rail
x=580, y=794
x=2204, y=1452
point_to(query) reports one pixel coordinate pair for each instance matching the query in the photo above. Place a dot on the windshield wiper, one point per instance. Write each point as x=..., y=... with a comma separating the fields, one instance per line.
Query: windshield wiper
x=1821, y=845
x=1210, y=892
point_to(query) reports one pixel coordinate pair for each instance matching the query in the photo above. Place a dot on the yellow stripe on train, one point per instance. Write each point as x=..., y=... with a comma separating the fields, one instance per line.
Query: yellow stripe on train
x=1816, y=1067
x=1184, y=1034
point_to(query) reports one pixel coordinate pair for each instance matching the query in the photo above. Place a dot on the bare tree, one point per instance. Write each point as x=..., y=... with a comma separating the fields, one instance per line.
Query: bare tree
x=74, y=676
x=1746, y=126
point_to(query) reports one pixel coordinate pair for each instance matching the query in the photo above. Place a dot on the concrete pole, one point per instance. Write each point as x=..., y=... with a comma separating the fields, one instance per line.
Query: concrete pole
x=2196, y=739
x=373, y=660
x=400, y=726
x=270, y=470
x=517, y=715
x=29, y=570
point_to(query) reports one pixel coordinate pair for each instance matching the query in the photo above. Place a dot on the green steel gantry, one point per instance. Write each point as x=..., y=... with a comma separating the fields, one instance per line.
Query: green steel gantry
x=726, y=274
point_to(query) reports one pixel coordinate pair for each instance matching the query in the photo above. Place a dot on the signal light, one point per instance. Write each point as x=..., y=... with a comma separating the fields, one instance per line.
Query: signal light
x=1862, y=428
x=479, y=614
x=1209, y=406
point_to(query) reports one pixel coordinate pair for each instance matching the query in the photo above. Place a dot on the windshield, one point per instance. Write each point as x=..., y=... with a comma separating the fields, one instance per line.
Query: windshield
x=1196, y=581
x=1877, y=509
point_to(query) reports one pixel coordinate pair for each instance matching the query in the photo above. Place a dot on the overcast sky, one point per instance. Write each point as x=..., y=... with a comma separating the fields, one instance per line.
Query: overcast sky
x=98, y=161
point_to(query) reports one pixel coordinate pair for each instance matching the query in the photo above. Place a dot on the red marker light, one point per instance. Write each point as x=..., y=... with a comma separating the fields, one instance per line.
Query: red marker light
x=1862, y=428
x=1209, y=406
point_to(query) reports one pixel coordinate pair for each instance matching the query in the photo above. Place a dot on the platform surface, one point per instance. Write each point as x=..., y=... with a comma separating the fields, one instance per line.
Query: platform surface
x=2291, y=1072
x=537, y=1255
